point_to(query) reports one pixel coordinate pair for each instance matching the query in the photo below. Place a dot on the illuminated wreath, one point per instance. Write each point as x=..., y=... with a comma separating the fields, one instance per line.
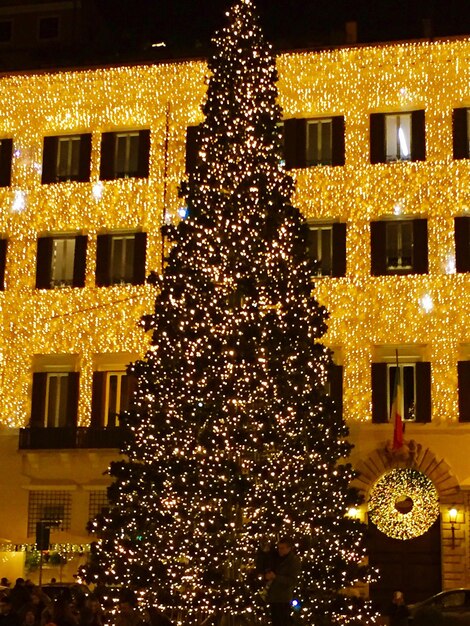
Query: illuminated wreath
x=403, y=504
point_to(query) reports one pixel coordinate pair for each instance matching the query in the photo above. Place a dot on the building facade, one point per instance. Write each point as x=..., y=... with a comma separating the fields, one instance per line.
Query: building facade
x=377, y=138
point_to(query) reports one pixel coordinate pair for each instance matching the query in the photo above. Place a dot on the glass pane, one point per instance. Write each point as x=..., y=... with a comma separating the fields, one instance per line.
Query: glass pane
x=120, y=157
x=391, y=137
x=62, y=409
x=52, y=400
x=326, y=256
x=124, y=399
x=113, y=407
x=129, y=259
x=133, y=159
x=117, y=262
x=406, y=244
x=312, y=143
x=404, y=136
x=68, y=158
x=408, y=375
x=325, y=157
x=313, y=243
x=63, y=254
x=392, y=244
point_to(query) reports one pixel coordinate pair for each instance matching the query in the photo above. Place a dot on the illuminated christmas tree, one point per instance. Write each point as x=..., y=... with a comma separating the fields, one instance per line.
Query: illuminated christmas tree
x=233, y=437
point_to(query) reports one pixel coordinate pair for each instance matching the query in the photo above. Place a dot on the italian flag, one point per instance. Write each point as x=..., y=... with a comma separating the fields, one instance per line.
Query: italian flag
x=395, y=412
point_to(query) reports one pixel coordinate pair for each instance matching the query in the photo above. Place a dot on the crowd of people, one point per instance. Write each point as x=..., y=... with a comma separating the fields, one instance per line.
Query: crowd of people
x=27, y=604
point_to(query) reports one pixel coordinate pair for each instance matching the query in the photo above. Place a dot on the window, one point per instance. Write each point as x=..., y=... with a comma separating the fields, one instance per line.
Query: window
x=461, y=133
x=463, y=371
x=415, y=378
x=192, y=148
x=54, y=399
x=98, y=503
x=3, y=260
x=327, y=245
x=48, y=28
x=462, y=243
x=54, y=507
x=125, y=155
x=335, y=386
x=112, y=394
x=6, y=30
x=61, y=261
x=399, y=247
x=66, y=158
x=121, y=259
x=397, y=137
x=318, y=141
x=407, y=377
x=6, y=153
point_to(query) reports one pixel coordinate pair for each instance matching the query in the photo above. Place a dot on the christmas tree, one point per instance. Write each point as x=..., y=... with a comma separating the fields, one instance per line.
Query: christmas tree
x=233, y=437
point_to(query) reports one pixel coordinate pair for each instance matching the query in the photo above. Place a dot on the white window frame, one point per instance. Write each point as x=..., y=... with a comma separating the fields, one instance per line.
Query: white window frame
x=320, y=229
x=54, y=420
x=127, y=136
x=398, y=125
x=71, y=141
x=410, y=417
x=400, y=256
x=322, y=158
x=119, y=374
x=62, y=263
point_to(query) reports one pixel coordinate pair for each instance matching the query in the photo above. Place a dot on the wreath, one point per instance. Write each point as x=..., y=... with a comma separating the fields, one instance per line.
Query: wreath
x=403, y=504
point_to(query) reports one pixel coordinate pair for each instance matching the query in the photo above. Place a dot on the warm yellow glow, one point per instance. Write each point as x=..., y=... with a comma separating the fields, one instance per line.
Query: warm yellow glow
x=453, y=513
x=365, y=311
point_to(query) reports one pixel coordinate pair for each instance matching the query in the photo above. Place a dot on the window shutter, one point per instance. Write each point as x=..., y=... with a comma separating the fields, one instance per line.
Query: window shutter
x=98, y=396
x=462, y=243
x=418, y=136
x=49, y=160
x=44, y=262
x=144, y=154
x=72, y=398
x=84, y=166
x=107, y=156
x=336, y=386
x=79, y=261
x=295, y=143
x=38, y=400
x=103, y=253
x=379, y=393
x=377, y=138
x=6, y=154
x=423, y=392
x=460, y=133
x=192, y=147
x=338, y=148
x=3, y=260
x=339, y=249
x=463, y=371
x=420, y=246
x=140, y=249
x=378, y=249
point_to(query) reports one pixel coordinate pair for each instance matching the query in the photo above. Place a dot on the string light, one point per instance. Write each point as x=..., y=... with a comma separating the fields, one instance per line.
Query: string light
x=310, y=85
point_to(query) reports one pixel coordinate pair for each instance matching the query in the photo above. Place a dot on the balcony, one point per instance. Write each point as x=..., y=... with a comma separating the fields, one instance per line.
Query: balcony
x=70, y=438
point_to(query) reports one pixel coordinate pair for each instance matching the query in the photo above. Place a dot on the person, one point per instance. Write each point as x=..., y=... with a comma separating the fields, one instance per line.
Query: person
x=398, y=612
x=8, y=617
x=281, y=578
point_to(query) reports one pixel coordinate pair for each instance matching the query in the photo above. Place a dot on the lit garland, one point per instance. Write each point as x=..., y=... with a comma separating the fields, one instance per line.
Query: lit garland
x=61, y=548
x=395, y=486
x=426, y=75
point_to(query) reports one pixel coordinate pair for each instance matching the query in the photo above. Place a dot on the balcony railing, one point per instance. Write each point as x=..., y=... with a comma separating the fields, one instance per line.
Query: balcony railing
x=70, y=438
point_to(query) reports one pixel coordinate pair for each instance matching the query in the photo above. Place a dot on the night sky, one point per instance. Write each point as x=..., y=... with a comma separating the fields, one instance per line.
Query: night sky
x=187, y=25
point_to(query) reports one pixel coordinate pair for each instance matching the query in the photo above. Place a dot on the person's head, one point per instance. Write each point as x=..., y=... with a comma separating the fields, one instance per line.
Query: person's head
x=19, y=582
x=5, y=582
x=398, y=597
x=5, y=605
x=29, y=618
x=284, y=546
x=125, y=607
